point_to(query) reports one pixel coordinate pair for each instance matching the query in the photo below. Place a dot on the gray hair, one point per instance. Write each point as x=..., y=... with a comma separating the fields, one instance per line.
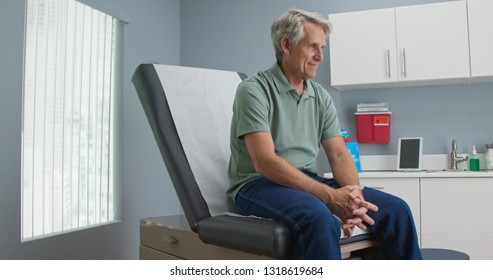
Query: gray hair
x=290, y=26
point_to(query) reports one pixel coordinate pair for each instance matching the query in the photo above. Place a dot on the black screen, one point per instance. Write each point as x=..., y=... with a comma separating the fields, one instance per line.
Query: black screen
x=410, y=153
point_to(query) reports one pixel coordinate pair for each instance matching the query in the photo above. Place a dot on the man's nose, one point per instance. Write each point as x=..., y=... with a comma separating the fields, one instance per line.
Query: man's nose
x=319, y=55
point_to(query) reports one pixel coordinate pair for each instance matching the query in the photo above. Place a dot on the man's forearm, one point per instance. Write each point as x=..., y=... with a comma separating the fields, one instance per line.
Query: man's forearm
x=344, y=172
x=262, y=152
x=284, y=173
x=342, y=164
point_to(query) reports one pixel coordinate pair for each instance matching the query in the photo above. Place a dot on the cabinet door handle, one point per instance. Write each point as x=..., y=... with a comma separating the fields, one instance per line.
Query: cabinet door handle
x=169, y=239
x=388, y=63
x=404, y=66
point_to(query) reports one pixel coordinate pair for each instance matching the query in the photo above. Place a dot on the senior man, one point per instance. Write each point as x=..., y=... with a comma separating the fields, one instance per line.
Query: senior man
x=280, y=119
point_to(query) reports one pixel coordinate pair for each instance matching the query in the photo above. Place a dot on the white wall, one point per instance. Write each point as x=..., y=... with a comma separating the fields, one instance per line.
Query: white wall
x=151, y=35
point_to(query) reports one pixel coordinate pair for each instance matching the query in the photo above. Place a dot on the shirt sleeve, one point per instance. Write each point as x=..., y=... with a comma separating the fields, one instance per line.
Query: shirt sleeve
x=251, y=109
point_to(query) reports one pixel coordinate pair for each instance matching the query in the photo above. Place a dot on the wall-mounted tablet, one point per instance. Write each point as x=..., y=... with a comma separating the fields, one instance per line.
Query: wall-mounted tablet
x=409, y=153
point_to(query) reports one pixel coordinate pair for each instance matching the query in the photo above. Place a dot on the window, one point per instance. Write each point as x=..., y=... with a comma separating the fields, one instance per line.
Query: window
x=71, y=85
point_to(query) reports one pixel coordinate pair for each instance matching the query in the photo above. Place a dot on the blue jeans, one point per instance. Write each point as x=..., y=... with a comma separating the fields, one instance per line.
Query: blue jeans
x=317, y=232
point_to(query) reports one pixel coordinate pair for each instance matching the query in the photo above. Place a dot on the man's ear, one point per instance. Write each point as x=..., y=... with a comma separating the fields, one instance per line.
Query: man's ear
x=286, y=45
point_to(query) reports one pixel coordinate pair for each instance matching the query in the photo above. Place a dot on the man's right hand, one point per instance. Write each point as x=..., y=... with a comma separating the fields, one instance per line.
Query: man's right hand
x=349, y=205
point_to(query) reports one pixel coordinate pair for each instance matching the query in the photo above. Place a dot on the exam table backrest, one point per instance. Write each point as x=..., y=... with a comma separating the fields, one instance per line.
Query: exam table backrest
x=201, y=102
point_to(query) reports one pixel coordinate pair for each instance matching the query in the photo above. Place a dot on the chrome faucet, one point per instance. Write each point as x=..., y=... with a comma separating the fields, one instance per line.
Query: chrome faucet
x=454, y=159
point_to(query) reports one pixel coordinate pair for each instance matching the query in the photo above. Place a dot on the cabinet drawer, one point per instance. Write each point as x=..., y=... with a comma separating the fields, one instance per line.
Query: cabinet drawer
x=146, y=253
x=186, y=244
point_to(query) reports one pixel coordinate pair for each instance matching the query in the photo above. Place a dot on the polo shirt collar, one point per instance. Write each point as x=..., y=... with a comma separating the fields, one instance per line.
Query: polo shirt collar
x=284, y=86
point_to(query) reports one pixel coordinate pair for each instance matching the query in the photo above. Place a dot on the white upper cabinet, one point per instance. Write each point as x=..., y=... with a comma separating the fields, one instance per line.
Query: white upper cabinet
x=412, y=45
x=432, y=41
x=363, y=47
x=481, y=37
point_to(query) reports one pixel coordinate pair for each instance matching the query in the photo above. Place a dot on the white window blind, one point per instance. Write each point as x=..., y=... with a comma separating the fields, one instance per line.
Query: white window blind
x=68, y=117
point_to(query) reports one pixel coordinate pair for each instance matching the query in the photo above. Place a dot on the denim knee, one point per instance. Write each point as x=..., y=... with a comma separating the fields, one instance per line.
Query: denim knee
x=317, y=234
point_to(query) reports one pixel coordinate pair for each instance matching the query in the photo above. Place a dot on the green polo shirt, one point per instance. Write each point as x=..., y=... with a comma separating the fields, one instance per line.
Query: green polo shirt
x=267, y=102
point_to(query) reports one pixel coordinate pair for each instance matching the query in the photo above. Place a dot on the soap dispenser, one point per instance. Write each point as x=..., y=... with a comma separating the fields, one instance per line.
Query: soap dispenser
x=474, y=160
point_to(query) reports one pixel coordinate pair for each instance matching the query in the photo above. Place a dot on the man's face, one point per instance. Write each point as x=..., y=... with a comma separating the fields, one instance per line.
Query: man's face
x=304, y=58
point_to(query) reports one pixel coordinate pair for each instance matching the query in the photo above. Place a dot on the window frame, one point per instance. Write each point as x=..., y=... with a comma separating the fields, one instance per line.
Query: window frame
x=115, y=148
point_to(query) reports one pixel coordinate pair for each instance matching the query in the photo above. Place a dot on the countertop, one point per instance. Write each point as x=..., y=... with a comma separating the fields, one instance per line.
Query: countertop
x=423, y=174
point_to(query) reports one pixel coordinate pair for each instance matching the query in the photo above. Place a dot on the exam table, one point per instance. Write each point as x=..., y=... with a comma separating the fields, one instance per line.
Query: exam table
x=189, y=111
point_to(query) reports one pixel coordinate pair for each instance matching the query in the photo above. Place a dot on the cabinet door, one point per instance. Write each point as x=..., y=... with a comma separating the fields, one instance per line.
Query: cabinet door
x=480, y=37
x=456, y=214
x=405, y=188
x=362, y=47
x=432, y=41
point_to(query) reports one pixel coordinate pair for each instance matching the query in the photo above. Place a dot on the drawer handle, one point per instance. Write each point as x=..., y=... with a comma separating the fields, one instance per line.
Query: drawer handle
x=169, y=239
x=404, y=62
x=377, y=188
